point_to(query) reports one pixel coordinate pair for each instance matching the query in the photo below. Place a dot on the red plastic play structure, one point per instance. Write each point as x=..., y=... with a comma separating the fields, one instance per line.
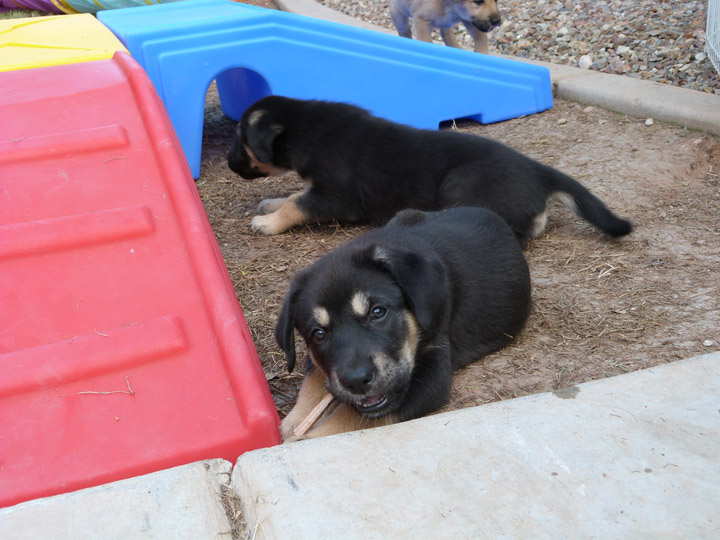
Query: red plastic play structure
x=123, y=349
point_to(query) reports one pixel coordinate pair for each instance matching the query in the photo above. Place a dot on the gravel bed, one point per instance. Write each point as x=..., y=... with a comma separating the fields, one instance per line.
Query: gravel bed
x=646, y=39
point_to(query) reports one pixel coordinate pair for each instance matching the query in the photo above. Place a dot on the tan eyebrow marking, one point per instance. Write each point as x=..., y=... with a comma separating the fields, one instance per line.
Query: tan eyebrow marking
x=360, y=304
x=321, y=316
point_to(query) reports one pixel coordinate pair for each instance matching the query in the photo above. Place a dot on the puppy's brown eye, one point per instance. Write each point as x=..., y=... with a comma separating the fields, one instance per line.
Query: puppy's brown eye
x=318, y=335
x=377, y=313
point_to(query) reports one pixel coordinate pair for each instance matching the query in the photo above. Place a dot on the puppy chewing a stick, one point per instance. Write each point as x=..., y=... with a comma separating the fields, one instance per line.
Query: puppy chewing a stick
x=388, y=318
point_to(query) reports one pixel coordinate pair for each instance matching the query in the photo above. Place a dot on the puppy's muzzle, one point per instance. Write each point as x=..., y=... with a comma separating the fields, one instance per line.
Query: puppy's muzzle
x=486, y=25
x=239, y=162
x=359, y=381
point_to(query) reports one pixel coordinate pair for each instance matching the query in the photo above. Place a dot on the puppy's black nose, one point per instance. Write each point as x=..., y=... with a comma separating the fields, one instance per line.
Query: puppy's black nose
x=496, y=20
x=358, y=379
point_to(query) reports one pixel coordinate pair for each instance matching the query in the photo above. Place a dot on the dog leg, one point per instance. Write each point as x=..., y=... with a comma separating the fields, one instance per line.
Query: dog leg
x=310, y=394
x=459, y=189
x=268, y=206
x=448, y=36
x=423, y=29
x=401, y=21
x=285, y=217
x=538, y=224
x=480, y=38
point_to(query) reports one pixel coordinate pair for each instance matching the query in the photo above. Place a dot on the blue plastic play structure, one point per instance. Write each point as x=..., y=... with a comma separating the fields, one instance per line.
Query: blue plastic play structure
x=252, y=52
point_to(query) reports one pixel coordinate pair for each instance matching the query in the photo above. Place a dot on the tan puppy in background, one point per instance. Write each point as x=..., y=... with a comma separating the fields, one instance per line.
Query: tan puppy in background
x=478, y=17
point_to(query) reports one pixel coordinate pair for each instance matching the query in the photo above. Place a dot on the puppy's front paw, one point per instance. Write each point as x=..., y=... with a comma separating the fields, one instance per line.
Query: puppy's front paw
x=268, y=224
x=288, y=426
x=268, y=206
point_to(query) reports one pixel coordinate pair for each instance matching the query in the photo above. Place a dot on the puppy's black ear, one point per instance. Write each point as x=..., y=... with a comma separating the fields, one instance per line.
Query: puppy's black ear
x=285, y=326
x=408, y=218
x=262, y=131
x=422, y=279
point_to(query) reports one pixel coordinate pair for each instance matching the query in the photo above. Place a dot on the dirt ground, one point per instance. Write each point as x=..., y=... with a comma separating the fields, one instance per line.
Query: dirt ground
x=600, y=307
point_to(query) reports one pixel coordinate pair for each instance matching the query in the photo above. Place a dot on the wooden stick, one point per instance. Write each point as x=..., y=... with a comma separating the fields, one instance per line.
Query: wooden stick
x=313, y=416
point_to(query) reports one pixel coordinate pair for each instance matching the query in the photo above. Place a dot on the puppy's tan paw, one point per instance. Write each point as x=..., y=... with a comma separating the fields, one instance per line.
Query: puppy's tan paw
x=285, y=217
x=268, y=206
x=268, y=224
x=287, y=426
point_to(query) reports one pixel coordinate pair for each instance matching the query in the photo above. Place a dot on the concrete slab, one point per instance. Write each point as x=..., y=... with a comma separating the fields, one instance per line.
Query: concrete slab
x=174, y=504
x=634, y=456
x=635, y=97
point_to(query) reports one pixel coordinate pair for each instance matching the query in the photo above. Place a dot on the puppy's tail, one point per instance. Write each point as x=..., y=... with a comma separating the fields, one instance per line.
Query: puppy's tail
x=577, y=198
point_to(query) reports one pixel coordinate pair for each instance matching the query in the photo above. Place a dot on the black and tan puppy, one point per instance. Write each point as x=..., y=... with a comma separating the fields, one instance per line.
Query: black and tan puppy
x=388, y=317
x=360, y=168
x=478, y=16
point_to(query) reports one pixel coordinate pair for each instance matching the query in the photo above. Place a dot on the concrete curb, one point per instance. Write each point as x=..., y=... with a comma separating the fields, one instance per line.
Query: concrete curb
x=635, y=97
x=182, y=503
x=633, y=456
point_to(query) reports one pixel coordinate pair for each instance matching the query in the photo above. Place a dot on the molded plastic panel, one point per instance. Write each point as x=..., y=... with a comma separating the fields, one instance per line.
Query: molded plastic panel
x=50, y=41
x=253, y=52
x=123, y=349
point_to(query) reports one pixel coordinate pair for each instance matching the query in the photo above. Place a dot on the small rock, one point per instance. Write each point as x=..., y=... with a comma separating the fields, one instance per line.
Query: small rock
x=649, y=122
x=580, y=46
x=708, y=343
x=588, y=109
x=585, y=61
x=624, y=50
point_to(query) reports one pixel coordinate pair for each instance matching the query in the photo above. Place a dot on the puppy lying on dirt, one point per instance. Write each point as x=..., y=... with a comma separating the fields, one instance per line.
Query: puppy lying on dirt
x=388, y=317
x=364, y=169
x=478, y=17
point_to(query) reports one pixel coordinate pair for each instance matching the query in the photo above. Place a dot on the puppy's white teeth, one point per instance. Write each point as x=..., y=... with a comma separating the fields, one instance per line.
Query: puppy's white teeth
x=371, y=401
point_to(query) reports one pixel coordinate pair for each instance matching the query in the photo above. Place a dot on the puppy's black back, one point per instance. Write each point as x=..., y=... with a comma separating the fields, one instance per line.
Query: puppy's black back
x=379, y=166
x=487, y=275
x=365, y=169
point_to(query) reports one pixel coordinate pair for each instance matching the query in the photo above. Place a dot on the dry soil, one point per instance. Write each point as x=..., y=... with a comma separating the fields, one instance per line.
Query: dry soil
x=601, y=307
